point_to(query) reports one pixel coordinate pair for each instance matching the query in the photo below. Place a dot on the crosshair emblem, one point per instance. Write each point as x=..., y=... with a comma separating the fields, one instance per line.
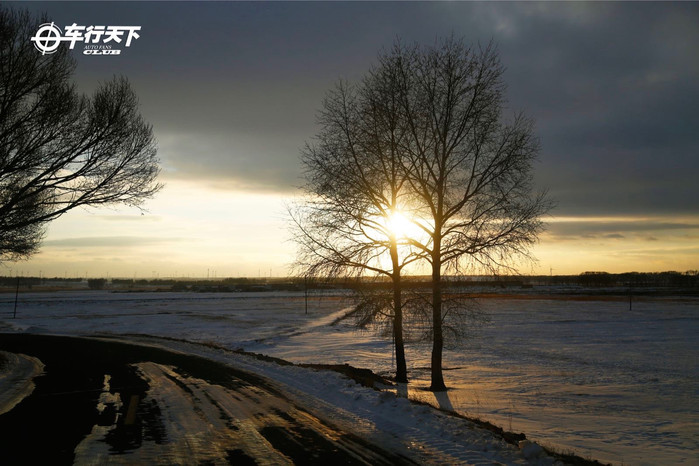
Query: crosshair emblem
x=48, y=38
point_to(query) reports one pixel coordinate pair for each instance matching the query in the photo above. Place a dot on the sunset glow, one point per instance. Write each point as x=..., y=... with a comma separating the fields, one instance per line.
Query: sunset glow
x=403, y=227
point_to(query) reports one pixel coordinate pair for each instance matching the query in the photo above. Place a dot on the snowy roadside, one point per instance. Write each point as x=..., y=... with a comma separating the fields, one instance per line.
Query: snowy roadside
x=427, y=435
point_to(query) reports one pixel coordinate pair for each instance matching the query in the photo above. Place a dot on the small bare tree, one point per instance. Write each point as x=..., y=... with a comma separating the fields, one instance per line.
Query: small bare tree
x=58, y=149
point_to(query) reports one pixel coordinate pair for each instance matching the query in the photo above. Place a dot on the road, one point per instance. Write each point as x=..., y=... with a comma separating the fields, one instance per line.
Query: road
x=112, y=402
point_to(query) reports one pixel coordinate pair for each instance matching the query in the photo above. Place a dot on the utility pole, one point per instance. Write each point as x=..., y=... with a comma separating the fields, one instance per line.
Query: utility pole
x=550, y=275
x=14, y=314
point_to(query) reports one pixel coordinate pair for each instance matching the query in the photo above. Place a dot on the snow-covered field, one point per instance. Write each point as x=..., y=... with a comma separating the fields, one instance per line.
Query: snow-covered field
x=587, y=376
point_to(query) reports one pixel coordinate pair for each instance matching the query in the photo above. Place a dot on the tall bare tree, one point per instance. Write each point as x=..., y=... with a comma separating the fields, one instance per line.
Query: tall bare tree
x=470, y=170
x=348, y=224
x=58, y=149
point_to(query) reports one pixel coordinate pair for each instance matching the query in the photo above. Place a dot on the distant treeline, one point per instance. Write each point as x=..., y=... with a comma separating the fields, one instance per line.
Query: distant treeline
x=24, y=281
x=225, y=284
x=689, y=279
x=676, y=280
x=587, y=279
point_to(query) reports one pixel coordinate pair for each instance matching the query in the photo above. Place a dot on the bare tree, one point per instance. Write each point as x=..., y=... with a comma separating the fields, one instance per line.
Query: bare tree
x=469, y=170
x=58, y=149
x=423, y=134
x=348, y=224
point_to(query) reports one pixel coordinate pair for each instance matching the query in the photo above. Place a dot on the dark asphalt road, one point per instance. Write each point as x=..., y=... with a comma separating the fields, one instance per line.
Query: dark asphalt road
x=102, y=401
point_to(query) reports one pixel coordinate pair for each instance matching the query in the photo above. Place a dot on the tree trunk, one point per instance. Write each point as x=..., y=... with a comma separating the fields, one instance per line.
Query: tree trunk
x=401, y=367
x=437, y=384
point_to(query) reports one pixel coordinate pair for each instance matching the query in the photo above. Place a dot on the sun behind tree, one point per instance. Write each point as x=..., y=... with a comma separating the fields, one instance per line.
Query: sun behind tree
x=402, y=226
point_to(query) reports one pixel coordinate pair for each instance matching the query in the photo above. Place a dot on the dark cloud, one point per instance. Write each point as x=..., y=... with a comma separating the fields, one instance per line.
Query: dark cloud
x=232, y=88
x=611, y=88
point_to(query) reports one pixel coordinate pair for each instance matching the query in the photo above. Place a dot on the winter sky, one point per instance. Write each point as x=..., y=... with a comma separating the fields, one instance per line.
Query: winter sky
x=232, y=90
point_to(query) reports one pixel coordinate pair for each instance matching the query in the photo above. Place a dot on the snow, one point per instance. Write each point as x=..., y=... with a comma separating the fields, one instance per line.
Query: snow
x=588, y=376
x=17, y=372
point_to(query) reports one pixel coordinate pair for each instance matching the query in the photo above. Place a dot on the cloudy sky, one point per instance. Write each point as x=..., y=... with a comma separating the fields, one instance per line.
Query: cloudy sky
x=232, y=90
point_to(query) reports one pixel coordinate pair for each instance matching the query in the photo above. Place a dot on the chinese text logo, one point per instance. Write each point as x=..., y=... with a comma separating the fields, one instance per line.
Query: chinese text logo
x=98, y=40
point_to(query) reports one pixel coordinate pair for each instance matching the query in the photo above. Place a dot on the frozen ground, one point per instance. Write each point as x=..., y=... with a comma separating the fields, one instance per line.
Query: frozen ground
x=583, y=375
